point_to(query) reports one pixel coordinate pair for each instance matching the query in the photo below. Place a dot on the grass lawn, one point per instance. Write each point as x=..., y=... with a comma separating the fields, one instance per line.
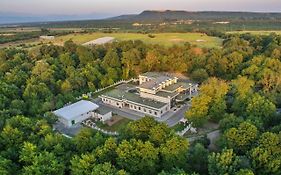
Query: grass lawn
x=167, y=39
x=262, y=32
x=178, y=127
x=121, y=123
x=34, y=29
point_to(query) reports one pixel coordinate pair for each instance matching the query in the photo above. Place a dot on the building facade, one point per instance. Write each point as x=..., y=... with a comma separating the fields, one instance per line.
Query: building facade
x=155, y=95
x=77, y=112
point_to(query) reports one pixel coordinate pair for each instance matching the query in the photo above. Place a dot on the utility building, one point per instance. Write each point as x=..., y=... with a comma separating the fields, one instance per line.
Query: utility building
x=76, y=112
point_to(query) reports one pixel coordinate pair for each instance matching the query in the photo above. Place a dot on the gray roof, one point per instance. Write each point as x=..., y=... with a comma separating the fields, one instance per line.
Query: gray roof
x=76, y=109
x=166, y=94
x=100, y=41
x=172, y=87
x=135, y=98
x=154, y=83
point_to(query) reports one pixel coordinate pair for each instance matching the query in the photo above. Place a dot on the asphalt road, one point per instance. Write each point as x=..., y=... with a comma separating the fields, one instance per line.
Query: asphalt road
x=174, y=119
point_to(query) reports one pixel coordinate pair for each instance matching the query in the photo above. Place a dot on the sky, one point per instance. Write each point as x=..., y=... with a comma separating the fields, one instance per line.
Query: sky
x=117, y=7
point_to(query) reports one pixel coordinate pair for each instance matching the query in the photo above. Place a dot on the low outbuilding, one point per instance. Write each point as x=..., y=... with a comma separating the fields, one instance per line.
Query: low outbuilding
x=46, y=37
x=99, y=41
x=77, y=112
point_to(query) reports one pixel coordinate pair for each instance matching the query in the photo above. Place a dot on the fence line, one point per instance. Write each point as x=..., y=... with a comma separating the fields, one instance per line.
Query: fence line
x=93, y=125
x=89, y=94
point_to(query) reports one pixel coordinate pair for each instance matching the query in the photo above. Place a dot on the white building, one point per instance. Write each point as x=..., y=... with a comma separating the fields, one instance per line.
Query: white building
x=79, y=111
x=156, y=94
x=99, y=41
x=47, y=37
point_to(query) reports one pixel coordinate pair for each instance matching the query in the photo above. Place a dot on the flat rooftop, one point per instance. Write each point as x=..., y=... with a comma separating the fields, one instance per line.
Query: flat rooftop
x=135, y=98
x=166, y=94
x=71, y=111
x=100, y=41
x=154, y=83
x=172, y=87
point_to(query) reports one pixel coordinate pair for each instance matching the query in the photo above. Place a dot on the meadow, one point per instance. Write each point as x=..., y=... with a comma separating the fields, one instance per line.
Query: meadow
x=259, y=32
x=166, y=39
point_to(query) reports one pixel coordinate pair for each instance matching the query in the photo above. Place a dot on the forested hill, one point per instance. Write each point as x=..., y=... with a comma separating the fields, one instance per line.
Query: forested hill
x=202, y=15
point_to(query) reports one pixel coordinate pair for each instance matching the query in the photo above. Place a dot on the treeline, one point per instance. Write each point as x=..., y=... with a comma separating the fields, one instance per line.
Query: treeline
x=243, y=98
x=125, y=25
x=144, y=147
x=19, y=36
x=245, y=106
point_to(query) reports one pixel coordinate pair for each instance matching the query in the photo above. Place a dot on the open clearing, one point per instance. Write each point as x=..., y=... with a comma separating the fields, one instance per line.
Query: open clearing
x=262, y=32
x=166, y=39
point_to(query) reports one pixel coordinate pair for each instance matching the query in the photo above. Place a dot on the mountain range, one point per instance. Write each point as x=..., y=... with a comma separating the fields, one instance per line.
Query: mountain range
x=147, y=15
x=14, y=18
x=200, y=15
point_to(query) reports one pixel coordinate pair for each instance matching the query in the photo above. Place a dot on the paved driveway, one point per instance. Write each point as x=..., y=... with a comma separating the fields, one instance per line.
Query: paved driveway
x=177, y=116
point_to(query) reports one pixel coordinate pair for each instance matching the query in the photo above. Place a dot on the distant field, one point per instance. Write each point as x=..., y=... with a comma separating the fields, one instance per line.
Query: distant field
x=19, y=29
x=34, y=29
x=262, y=32
x=167, y=39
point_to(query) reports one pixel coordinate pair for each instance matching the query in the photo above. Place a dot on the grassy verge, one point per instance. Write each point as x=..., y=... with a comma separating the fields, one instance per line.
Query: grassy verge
x=178, y=127
x=115, y=127
x=261, y=32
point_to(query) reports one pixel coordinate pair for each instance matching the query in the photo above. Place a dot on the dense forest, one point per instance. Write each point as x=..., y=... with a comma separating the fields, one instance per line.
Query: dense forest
x=195, y=21
x=240, y=89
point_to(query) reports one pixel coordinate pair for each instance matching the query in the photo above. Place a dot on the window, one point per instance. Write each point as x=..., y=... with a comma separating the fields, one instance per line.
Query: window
x=72, y=122
x=155, y=113
x=144, y=109
x=135, y=107
x=139, y=108
x=117, y=104
x=150, y=111
x=161, y=111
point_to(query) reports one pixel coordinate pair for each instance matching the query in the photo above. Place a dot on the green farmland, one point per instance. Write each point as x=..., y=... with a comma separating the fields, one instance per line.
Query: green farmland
x=166, y=39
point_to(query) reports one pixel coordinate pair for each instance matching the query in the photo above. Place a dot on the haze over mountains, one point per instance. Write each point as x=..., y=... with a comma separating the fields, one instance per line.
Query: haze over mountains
x=199, y=15
x=148, y=15
x=12, y=18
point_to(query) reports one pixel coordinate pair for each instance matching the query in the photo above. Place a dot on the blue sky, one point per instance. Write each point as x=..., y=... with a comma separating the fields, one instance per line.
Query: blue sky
x=116, y=7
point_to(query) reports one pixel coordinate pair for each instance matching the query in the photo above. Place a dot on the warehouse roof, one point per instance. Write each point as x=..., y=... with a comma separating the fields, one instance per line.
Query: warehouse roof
x=76, y=109
x=100, y=41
